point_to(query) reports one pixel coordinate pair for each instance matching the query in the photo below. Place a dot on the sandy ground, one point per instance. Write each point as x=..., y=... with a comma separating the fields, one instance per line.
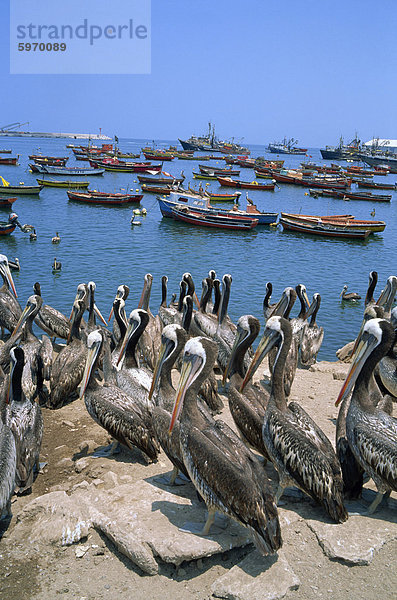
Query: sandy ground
x=102, y=572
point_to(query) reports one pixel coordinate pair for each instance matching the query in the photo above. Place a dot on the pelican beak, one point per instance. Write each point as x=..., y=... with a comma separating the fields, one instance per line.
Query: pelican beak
x=10, y=280
x=111, y=314
x=22, y=319
x=196, y=300
x=306, y=298
x=98, y=313
x=240, y=336
x=268, y=341
x=89, y=363
x=130, y=330
x=162, y=357
x=190, y=366
x=364, y=347
x=72, y=319
x=281, y=306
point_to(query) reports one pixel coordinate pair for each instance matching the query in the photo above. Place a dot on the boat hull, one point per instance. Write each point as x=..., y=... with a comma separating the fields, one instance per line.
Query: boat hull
x=212, y=220
x=63, y=184
x=25, y=190
x=323, y=230
x=226, y=182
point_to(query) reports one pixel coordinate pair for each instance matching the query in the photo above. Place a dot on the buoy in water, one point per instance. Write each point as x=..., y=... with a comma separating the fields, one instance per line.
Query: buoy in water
x=137, y=211
x=144, y=211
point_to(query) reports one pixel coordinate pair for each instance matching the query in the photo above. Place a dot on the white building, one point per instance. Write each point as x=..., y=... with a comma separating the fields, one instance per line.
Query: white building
x=390, y=145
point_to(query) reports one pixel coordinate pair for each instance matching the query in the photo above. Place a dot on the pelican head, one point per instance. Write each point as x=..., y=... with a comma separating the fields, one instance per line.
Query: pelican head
x=6, y=273
x=172, y=338
x=137, y=321
x=31, y=309
x=17, y=361
x=94, y=344
x=247, y=327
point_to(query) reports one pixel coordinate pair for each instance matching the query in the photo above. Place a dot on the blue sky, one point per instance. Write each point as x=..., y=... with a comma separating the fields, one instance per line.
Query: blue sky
x=258, y=69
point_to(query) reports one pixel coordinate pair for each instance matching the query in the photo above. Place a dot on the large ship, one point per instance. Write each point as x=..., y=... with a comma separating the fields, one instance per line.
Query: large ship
x=210, y=143
x=286, y=147
x=343, y=151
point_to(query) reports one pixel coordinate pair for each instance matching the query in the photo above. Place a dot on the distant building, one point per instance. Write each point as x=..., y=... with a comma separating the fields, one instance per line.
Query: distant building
x=389, y=145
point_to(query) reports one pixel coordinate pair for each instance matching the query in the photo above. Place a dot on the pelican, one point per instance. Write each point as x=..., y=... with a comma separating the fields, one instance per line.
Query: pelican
x=171, y=314
x=123, y=292
x=132, y=378
x=149, y=341
x=68, y=367
x=312, y=335
x=204, y=323
x=224, y=471
x=173, y=339
x=283, y=308
x=386, y=298
x=8, y=459
x=267, y=307
x=92, y=309
x=56, y=265
x=248, y=409
x=51, y=320
x=120, y=320
x=373, y=280
x=114, y=410
x=10, y=309
x=33, y=370
x=387, y=366
x=299, y=450
x=24, y=419
x=371, y=433
x=190, y=287
x=349, y=296
x=14, y=264
x=56, y=239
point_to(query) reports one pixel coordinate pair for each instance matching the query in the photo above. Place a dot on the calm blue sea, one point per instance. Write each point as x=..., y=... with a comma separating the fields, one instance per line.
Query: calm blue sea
x=99, y=244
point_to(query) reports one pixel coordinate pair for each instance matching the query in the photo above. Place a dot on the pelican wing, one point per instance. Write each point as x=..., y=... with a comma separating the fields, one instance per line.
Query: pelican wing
x=378, y=449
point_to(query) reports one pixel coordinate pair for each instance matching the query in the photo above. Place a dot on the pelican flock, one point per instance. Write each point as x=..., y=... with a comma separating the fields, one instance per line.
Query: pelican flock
x=155, y=380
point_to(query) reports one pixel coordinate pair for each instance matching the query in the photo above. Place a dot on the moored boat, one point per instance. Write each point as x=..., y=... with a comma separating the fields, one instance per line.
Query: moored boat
x=63, y=183
x=210, y=219
x=204, y=169
x=346, y=221
x=377, y=186
x=161, y=180
x=223, y=197
x=323, y=229
x=68, y=171
x=246, y=185
x=9, y=160
x=21, y=189
x=6, y=202
x=350, y=195
x=126, y=167
x=297, y=178
x=110, y=199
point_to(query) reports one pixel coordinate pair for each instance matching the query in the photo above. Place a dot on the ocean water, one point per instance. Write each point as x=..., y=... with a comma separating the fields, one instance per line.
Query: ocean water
x=99, y=244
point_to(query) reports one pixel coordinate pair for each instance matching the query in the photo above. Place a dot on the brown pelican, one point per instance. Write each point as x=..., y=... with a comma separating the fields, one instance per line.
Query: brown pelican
x=24, y=419
x=68, y=367
x=132, y=378
x=7, y=457
x=371, y=433
x=123, y=292
x=92, y=309
x=248, y=409
x=120, y=321
x=373, y=280
x=312, y=335
x=283, y=308
x=56, y=239
x=267, y=307
x=56, y=265
x=51, y=320
x=204, y=323
x=10, y=309
x=173, y=339
x=114, y=410
x=190, y=287
x=299, y=450
x=33, y=370
x=298, y=323
x=149, y=340
x=349, y=296
x=387, y=296
x=387, y=366
x=224, y=471
x=171, y=314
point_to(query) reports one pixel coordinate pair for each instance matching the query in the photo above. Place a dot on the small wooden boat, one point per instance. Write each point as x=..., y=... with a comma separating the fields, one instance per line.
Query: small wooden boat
x=53, y=162
x=5, y=151
x=223, y=197
x=158, y=156
x=68, y=171
x=323, y=229
x=158, y=180
x=206, y=176
x=246, y=185
x=22, y=189
x=9, y=160
x=93, y=197
x=194, y=217
x=218, y=171
x=152, y=189
x=121, y=167
x=367, y=196
x=45, y=157
x=297, y=178
x=377, y=186
x=63, y=184
x=338, y=220
x=7, y=227
x=6, y=202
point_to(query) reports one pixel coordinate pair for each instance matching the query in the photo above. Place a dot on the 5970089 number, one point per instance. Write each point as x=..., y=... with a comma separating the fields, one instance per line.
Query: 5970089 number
x=41, y=47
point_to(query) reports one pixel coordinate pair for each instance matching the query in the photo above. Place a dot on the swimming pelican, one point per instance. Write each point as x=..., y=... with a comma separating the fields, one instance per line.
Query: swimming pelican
x=299, y=450
x=56, y=239
x=224, y=471
x=349, y=296
x=114, y=410
x=248, y=408
x=24, y=419
x=14, y=264
x=10, y=309
x=68, y=367
x=371, y=433
x=51, y=320
x=312, y=335
x=56, y=265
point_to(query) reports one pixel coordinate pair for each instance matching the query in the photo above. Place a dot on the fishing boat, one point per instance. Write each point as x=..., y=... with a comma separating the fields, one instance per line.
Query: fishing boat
x=218, y=170
x=377, y=186
x=68, y=171
x=367, y=196
x=161, y=180
x=246, y=185
x=6, y=202
x=21, y=189
x=63, y=183
x=297, y=178
x=109, y=199
x=341, y=152
x=9, y=160
x=52, y=162
x=5, y=151
x=200, y=204
x=286, y=147
x=223, y=197
x=158, y=155
x=205, y=176
x=346, y=221
x=125, y=167
x=382, y=160
x=323, y=229
x=7, y=227
x=43, y=157
x=153, y=189
x=194, y=217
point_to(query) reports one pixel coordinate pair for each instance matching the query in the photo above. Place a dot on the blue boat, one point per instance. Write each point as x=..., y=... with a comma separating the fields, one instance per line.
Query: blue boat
x=202, y=204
